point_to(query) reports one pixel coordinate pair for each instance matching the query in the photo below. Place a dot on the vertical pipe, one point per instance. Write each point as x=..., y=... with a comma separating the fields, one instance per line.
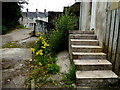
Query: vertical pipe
x=93, y=15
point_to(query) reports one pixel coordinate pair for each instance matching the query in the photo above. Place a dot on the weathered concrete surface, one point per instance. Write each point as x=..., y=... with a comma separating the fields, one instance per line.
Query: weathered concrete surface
x=14, y=66
x=15, y=35
x=15, y=54
x=15, y=77
x=63, y=61
x=96, y=77
x=29, y=42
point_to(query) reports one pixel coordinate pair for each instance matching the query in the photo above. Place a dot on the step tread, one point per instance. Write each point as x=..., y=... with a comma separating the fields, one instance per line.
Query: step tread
x=82, y=40
x=92, y=62
x=79, y=31
x=82, y=35
x=84, y=53
x=81, y=46
x=97, y=74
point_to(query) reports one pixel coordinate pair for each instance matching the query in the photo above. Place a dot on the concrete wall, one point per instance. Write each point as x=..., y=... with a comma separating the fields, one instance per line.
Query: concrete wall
x=101, y=21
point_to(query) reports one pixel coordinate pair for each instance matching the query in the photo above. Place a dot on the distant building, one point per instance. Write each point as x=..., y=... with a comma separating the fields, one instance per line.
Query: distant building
x=29, y=18
x=41, y=26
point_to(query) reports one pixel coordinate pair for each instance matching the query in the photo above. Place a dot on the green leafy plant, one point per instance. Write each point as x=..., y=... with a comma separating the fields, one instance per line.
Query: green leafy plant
x=52, y=68
x=70, y=77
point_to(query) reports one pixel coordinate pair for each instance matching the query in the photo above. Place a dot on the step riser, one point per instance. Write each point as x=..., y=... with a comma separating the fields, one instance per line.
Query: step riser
x=81, y=32
x=96, y=82
x=88, y=57
x=84, y=37
x=88, y=43
x=93, y=67
x=87, y=50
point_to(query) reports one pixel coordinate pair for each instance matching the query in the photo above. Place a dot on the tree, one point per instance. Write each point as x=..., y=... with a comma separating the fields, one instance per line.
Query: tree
x=11, y=13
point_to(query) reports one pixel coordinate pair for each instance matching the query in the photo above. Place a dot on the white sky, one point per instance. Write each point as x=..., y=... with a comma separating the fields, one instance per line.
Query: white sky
x=49, y=5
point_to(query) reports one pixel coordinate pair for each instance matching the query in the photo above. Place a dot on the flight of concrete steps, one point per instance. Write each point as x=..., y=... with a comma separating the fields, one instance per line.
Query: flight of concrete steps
x=92, y=68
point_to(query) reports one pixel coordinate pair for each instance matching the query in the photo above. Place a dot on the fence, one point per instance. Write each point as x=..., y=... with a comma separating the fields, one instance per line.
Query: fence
x=108, y=32
x=112, y=38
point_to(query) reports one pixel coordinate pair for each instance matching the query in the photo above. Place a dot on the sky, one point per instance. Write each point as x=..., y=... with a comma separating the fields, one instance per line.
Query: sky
x=49, y=5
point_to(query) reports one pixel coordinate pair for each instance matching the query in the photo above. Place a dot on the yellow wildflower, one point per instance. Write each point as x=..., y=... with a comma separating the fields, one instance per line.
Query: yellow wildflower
x=38, y=33
x=41, y=53
x=36, y=41
x=32, y=50
x=30, y=60
x=43, y=47
x=38, y=52
x=46, y=44
x=40, y=63
x=43, y=42
x=34, y=60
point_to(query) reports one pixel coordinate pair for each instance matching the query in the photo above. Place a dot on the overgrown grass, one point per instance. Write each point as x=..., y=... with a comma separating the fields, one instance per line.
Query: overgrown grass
x=10, y=45
x=21, y=27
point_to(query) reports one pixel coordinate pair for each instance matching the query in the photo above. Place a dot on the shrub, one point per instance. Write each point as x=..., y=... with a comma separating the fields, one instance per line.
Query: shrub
x=59, y=37
x=55, y=41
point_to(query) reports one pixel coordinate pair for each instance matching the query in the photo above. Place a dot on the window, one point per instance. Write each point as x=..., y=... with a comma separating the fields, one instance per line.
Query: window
x=31, y=24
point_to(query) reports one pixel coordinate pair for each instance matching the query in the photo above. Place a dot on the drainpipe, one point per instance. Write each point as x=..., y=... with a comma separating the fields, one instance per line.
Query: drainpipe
x=80, y=18
x=93, y=15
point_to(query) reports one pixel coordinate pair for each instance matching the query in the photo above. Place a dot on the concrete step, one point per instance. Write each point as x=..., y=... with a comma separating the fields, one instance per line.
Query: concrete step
x=96, y=78
x=84, y=42
x=81, y=32
x=86, y=65
x=88, y=56
x=83, y=36
x=79, y=48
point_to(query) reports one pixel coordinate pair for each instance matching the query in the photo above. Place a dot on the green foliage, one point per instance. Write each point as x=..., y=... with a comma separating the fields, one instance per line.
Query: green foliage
x=52, y=68
x=70, y=76
x=58, y=39
x=11, y=20
x=42, y=56
x=55, y=41
x=66, y=22
x=4, y=29
x=10, y=45
x=20, y=27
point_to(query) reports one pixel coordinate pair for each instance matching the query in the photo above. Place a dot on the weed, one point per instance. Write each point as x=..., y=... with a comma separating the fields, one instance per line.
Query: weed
x=52, y=68
x=10, y=45
x=70, y=77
